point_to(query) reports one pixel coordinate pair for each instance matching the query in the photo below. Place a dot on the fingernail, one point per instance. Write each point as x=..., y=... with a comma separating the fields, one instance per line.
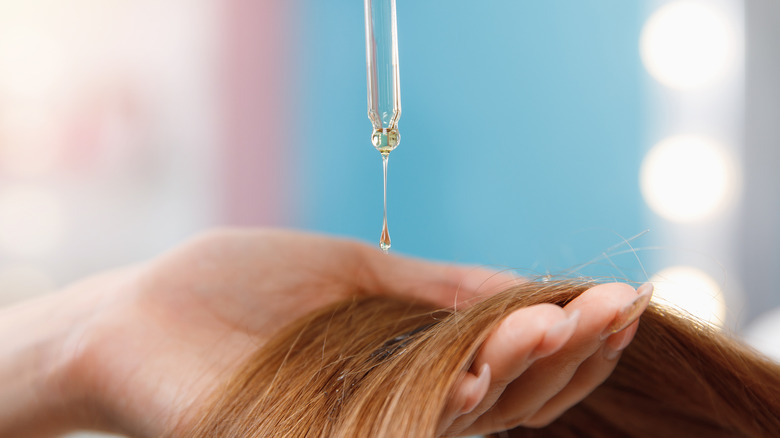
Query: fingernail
x=562, y=327
x=480, y=388
x=630, y=312
x=613, y=347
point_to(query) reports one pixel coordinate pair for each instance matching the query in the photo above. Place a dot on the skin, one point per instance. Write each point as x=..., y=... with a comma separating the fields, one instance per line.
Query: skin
x=137, y=351
x=543, y=359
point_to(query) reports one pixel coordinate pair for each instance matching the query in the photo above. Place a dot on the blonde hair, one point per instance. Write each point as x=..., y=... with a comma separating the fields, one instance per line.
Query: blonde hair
x=383, y=367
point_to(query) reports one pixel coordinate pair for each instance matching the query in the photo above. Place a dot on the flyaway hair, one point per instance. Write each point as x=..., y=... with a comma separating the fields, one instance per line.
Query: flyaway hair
x=382, y=367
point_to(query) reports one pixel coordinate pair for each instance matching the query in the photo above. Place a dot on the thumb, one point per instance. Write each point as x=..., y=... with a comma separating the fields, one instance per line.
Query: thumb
x=441, y=284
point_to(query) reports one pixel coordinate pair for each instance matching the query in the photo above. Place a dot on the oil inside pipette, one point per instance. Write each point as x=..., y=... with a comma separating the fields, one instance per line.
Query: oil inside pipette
x=385, y=140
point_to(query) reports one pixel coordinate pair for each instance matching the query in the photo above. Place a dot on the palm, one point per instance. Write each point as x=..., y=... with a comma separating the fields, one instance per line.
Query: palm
x=206, y=307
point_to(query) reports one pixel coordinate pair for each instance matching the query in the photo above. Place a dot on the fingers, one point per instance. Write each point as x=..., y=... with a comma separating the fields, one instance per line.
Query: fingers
x=469, y=393
x=445, y=285
x=593, y=372
x=524, y=336
x=597, y=368
x=552, y=384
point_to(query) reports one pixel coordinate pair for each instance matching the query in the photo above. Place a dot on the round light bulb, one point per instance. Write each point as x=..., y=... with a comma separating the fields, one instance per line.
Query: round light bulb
x=692, y=290
x=688, y=178
x=689, y=45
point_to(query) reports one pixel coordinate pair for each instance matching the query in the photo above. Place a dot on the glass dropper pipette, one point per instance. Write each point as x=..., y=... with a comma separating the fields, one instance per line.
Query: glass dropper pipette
x=384, y=91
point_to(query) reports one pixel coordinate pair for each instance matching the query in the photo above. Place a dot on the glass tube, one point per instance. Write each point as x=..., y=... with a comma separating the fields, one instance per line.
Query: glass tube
x=384, y=91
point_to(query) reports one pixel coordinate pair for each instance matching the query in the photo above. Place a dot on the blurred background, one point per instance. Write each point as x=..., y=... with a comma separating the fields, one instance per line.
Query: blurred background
x=624, y=140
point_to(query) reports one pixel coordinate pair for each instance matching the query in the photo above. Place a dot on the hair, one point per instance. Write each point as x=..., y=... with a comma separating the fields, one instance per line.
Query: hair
x=384, y=367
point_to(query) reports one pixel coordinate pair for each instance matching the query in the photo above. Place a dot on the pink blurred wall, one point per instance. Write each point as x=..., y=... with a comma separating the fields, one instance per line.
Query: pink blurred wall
x=258, y=135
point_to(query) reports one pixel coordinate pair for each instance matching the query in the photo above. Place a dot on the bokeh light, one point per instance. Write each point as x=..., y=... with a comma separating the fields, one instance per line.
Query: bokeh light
x=692, y=290
x=689, y=45
x=688, y=178
x=763, y=333
x=31, y=221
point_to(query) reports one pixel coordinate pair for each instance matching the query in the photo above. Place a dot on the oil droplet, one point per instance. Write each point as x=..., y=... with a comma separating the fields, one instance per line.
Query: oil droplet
x=384, y=239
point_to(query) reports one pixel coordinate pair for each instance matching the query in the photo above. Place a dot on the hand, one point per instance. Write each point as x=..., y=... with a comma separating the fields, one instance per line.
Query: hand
x=161, y=336
x=543, y=359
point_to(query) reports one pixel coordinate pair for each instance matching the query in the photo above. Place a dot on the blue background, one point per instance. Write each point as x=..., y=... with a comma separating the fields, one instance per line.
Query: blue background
x=520, y=133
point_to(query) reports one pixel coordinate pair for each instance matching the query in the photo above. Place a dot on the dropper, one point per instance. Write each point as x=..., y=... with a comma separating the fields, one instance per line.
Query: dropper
x=384, y=91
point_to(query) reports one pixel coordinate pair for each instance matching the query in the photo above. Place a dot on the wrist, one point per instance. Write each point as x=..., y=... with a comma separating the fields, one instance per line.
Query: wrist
x=39, y=395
